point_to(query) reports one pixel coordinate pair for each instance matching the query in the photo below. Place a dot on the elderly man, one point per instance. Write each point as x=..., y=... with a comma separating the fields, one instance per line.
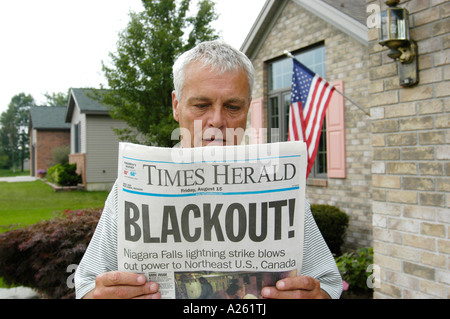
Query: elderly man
x=213, y=84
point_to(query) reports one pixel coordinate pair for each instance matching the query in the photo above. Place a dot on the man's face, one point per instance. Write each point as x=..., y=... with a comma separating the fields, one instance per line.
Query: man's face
x=213, y=108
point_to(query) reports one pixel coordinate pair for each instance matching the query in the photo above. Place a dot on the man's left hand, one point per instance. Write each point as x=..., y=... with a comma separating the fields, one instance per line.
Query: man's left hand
x=301, y=287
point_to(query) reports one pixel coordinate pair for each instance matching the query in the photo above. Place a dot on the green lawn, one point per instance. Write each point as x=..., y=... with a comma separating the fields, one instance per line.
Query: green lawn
x=26, y=203
x=9, y=172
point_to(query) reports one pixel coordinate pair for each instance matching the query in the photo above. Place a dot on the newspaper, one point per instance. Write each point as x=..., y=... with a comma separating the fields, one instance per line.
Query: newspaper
x=212, y=222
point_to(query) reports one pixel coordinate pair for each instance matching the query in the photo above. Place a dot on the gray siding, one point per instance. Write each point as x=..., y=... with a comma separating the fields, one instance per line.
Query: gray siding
x=102, y=148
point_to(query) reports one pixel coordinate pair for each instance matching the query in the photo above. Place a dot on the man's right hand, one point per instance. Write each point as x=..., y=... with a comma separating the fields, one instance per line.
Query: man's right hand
x=123, y=285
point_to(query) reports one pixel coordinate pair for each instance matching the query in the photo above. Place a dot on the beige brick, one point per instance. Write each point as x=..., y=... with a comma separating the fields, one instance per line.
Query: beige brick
x=433, y=288
x=432, y=259
x=432, y=199
x=443, y=152
x=401, y=168
x=386, y=98
x=378, y=140
x=442, y=89
x=401, y=110
x=386, y=235
x=401, y=139
x=419, y=212
x=403, y=280
x=418, y=183
x=443, y=246
x=386, y=181
x=443, y=121
x=419, y=241
x=386, y=154
x=433, y=137
x=431, y=168
x=407, y=197
x=416, y=123
x=430, y=76
x=383, y=71
x=401, y=224
x=385, y=126
x=441, y=58
x=416, y=93
x=417, y=153
x=419, y=270
x=430, y=107
x=443, y=185
x=436, y=230
x=390, y=290
x=404, y=252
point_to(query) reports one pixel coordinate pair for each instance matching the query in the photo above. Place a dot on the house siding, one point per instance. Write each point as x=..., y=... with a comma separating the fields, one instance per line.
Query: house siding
x=346, y=60
x=102, y=149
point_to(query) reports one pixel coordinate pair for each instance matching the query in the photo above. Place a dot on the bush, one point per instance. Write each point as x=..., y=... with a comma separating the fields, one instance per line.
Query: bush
x=332, y=223
x=64, y=174
x=353, y=269
x=38, y=256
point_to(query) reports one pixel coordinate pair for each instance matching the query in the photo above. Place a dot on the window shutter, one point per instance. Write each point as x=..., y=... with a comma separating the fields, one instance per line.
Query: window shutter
x=257, y=121
x=336, y=134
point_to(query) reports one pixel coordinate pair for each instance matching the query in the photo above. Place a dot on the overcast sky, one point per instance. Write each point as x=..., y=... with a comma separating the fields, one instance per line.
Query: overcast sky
x=53, y=45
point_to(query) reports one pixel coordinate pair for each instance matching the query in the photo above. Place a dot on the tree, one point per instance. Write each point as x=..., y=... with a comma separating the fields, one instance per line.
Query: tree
x=140, y=78
x=14, y=121
x=57, y=99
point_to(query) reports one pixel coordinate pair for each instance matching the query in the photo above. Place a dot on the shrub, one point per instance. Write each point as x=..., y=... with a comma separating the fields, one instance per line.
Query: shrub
x=64, y=174
x=38, y=256
x=332, y=223
x=353, y=269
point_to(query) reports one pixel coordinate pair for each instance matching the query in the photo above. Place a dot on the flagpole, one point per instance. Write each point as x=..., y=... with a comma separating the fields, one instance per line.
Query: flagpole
x=289, y=54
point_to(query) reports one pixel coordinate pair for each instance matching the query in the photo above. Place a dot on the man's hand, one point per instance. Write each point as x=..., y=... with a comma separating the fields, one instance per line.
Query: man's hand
x=301, y=287
x=123, y=285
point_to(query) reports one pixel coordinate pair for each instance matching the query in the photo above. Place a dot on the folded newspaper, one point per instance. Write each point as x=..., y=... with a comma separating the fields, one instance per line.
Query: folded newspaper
x=212, y=222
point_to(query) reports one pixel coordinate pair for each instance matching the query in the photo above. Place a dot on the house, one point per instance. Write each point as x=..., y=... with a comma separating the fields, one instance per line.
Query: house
x=338, y=51
x=93, y=144
x=388, y=171
x=48, y=132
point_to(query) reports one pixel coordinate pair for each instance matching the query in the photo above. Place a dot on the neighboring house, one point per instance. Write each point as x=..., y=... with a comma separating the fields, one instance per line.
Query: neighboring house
x=388, y=171
x=93, y=144
x=48, y=131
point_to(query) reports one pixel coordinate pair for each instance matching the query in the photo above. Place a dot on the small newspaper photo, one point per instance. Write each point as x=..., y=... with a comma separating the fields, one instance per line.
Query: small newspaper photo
x=219, y=222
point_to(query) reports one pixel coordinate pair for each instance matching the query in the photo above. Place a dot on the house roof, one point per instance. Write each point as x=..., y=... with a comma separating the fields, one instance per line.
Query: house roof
x=86, y=101
x=346, y=15
x=48, y=118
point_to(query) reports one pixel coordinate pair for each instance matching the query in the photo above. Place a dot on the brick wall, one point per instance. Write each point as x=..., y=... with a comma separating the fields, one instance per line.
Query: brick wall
x=411, y=153
x=347, y=60
x=46, y=141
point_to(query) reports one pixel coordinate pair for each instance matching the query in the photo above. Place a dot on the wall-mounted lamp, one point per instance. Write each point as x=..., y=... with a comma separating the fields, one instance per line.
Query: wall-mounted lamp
x=394, y=34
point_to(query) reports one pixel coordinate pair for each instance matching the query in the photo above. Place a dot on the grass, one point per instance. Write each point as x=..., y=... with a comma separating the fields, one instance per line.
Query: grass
x=26, y=203
x=9, y=172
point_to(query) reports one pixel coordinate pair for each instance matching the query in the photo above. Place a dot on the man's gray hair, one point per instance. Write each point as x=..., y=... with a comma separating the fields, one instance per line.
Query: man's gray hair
x=218, y=55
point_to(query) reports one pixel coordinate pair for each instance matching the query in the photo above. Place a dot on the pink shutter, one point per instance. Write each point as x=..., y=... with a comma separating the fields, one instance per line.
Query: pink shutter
x=336, y=134
x=257, y=121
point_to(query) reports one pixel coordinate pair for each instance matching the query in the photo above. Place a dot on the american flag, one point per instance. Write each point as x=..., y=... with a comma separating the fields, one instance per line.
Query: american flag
x=310, y=96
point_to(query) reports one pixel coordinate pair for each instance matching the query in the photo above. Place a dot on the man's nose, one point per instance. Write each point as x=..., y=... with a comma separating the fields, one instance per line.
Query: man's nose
x=216, y=117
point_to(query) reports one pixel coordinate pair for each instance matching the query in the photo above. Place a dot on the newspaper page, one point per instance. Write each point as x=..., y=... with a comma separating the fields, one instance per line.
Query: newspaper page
x=212, y=222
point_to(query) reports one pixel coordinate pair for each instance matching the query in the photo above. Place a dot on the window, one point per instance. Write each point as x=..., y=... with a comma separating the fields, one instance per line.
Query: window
x=279, y=100
x=77, y=143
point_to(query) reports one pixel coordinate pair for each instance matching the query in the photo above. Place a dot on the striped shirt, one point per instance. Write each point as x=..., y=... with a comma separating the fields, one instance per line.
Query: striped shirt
x=101, y=254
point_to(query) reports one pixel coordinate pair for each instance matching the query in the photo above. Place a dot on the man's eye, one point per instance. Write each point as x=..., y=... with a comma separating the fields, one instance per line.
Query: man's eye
x=201, y=106
x=234, y=107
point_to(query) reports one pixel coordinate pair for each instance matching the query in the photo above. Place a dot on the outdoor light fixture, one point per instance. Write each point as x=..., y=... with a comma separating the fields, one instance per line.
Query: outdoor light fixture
x=394, y=34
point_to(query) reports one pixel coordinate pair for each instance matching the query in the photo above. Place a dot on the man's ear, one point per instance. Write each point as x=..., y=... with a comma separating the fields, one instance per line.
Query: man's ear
x=175, y=107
